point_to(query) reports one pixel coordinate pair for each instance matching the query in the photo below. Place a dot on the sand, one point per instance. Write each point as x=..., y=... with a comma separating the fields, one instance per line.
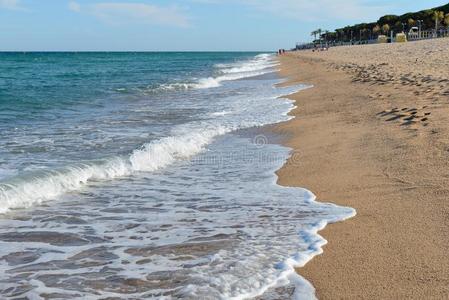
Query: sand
x=373, y=134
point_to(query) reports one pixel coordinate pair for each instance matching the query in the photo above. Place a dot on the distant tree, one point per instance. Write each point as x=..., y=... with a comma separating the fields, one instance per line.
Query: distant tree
x=446, y=20
x=430, y=18
x=438, y=16
x=314, y=33
x=347, y=33
x=339, y=34
x=388, y=19
x=398, y=26
x=363, y=34
x=319, y=32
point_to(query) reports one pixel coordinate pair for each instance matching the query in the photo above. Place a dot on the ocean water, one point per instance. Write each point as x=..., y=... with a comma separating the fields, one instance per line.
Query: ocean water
x=147, y=176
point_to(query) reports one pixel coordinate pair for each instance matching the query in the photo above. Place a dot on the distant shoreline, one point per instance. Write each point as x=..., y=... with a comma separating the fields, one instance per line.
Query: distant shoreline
x=127, y=51
x=372, y=135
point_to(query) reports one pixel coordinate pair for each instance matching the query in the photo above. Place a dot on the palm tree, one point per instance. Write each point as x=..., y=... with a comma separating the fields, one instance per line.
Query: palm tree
x=411, y=22
x=319, y=32
x=386, y=28
x=314, y=33
x=340, y=35
x=446, y=20
x=438, y=16
x=376, y=29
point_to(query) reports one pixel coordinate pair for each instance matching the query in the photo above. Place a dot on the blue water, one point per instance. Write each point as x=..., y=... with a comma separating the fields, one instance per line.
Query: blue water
x=88, y=91
x=146, y=175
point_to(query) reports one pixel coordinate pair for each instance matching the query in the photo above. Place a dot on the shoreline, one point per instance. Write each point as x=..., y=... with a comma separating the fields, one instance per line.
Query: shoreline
x=358, y=149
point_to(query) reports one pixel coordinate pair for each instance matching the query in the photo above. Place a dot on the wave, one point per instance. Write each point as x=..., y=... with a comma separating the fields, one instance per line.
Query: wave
x=248, y=68
x=36, y=188
x=187, y=140
x=163, y=152
x=212, y=82
x=261, y=64
x=42, y=185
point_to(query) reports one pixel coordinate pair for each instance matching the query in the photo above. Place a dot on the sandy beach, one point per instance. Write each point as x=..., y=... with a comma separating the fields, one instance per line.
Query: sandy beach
x=373, y=134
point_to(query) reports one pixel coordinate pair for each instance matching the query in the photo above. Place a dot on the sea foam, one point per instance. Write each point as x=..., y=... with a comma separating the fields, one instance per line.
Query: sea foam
x=185, y=141
x=44, y=185
x=267, y=231
x=261, y=64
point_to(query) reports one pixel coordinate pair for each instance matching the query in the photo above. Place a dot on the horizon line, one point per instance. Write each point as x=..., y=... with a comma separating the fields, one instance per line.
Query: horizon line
x=131, y=51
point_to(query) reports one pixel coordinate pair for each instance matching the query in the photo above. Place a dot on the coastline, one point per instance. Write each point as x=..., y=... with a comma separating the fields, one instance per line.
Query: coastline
x=358, y=149
x=260, y=233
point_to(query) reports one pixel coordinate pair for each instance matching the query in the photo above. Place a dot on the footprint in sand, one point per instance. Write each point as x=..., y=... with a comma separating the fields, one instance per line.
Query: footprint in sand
x=408, y=116
x=408, y=123
x=395, y=118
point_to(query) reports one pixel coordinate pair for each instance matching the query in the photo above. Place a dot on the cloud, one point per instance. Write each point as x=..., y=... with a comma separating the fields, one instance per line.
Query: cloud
x=11, y=4
x=123, y=13
x=74, y=6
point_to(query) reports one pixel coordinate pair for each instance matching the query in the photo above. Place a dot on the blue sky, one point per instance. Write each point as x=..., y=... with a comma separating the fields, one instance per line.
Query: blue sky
x=155, y=25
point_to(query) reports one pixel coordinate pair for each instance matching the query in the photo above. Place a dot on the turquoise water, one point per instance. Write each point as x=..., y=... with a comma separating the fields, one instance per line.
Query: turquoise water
x=142, y=175
x=87, y=96
x=55, y=80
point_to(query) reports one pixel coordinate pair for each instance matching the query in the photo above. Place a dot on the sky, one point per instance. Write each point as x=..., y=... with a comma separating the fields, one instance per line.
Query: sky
x=181, y=25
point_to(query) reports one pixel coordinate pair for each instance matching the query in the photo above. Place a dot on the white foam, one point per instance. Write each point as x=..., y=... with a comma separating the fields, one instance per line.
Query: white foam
x=211, y=82
x=206, y=83
x=184, y=142
x=162, y=153
x=220, y=113
x=284, y=272
x=260, y=65
x=45, y=185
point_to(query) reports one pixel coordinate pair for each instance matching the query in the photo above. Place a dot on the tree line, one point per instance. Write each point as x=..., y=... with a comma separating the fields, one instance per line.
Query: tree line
x=429, y=19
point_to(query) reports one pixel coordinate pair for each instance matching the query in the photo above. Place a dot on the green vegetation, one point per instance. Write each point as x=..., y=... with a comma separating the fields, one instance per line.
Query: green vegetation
x=430, y=19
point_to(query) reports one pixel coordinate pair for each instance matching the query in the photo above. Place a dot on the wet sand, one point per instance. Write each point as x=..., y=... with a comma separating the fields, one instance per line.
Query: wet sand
x=373, y=134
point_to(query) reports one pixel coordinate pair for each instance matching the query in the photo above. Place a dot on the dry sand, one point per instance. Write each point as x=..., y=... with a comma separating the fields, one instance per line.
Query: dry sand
x=373, y=134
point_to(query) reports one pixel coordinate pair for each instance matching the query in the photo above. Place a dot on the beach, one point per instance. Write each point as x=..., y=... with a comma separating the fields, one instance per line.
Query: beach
x=373, y=134
x=142, y=187
x=156, y=184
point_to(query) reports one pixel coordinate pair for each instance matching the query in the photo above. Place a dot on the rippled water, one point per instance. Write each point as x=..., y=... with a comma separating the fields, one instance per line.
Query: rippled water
x=129, y=176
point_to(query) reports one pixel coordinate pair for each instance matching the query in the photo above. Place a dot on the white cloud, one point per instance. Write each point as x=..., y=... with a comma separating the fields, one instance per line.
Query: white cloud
x=11, y=4
x=74, y=6
x=119, y=13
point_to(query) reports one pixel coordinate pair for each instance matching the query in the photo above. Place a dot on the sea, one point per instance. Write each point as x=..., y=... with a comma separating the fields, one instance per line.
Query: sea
x=150, y=176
